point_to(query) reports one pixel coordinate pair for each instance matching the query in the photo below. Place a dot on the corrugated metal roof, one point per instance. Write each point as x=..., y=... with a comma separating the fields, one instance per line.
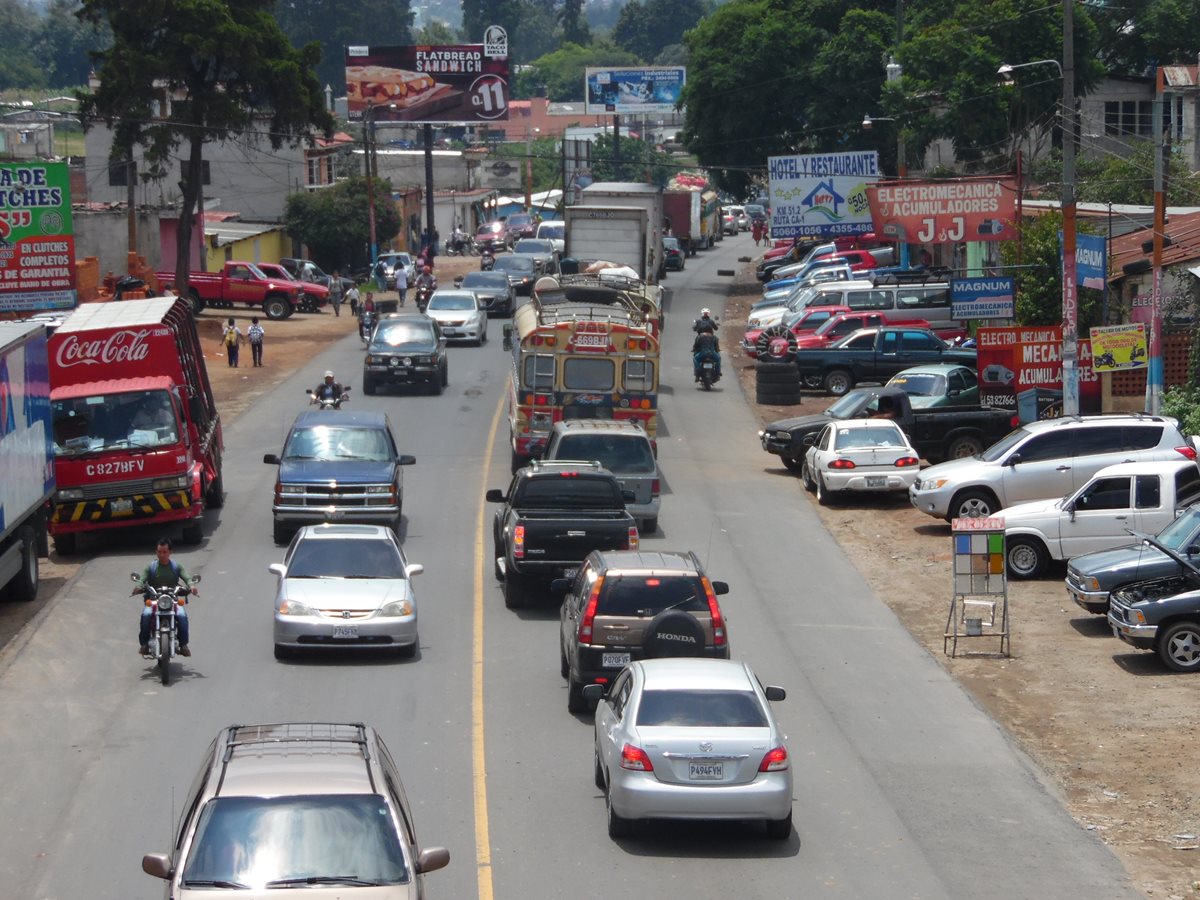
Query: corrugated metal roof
x=230, y=232
x=124, y=314
x=1184, y=231
x=1181, y=76
x=112, y=386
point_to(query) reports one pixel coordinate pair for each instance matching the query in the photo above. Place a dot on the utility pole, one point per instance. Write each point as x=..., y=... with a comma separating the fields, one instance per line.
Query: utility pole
x=428, y=132
x=616, y=146
x=369, y=144
x=1070, y=295
x=131, y=200
x=1154, y=377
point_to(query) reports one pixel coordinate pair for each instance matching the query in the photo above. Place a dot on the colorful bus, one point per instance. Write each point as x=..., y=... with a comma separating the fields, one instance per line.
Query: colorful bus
x=588, y=348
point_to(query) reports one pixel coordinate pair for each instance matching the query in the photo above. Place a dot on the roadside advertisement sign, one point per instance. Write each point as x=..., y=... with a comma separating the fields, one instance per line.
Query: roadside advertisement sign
x=1020, y=369
x=983, y=298
x=457, y=83
x=945, y=212
x=821, y=195
x=1119, y=347
x=656, y=89
x=1091, y=265
x=37, y=243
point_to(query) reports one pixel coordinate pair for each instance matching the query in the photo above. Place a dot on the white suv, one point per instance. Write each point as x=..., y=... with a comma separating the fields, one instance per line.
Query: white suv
x=1043, y=460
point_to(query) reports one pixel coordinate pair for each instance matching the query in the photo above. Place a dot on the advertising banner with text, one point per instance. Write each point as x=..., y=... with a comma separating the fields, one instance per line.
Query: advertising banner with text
x=983, y=298
x=945, y=212
x=37, y=243
x=656, y=89
x=821, y=195
x=1117, y=347
x=1020, y=369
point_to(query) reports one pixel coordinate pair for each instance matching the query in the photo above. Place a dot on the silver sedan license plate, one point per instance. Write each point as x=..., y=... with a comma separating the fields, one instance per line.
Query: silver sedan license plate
x=876, y=481
x=706, y=771
x=345, y=631
x=614, y=660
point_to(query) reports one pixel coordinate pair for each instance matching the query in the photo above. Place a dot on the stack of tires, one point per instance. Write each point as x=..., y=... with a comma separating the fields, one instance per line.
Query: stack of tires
x=777, y=383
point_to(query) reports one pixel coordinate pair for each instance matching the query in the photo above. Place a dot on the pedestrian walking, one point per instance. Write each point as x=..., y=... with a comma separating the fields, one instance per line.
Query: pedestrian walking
x=255, y=334
x=402, y=282
x=424, y=239
x=352, y=299
x=233, y=340
x=335, y=292
x=433, y=245
x=756, y=229
x=380, y=273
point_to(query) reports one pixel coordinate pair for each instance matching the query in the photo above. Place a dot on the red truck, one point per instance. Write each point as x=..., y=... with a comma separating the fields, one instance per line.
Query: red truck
x=682, y=209
x=137, y=437
x=313, y=296
x=242, y=283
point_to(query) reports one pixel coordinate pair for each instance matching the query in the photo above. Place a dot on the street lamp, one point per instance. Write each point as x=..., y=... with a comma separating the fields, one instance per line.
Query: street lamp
x=1006, y=70
x=869, y=120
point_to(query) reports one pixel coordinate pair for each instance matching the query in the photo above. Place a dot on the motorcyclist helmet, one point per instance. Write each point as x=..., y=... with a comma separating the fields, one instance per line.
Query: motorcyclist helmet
x=427, y=269
x=705, y=313
x=328, y=377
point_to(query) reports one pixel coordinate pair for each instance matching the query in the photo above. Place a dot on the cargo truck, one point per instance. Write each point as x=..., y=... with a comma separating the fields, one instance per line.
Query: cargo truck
x=137, y=437
x=682, y=209
x=614, y=233
x=26, y=456
x=645, y=196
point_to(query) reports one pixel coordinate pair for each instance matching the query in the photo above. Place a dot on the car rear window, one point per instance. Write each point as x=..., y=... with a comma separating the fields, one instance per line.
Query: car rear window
x=701, y=709
x=872, y=436
x=562, y=492
x=648, y=595
x=621, y=453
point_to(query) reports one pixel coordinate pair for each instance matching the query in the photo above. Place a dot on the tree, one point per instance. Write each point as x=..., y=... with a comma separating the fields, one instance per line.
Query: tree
x=561, y=73
x=65, y=44
x=644, y=29
x=214, y=68
x=574, y=23
x=1039, y=278
x=1119, y=179
x=1137, y=35
x=335, y=24
x=19, y=66
x=435, y=33
x=639, y=161
x=335, y=225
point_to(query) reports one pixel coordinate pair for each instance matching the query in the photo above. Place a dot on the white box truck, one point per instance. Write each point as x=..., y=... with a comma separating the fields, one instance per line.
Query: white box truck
x=613, y=233
x=645, y=196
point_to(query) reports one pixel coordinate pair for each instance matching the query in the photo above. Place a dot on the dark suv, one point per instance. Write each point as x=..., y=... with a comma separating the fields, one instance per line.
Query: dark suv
x=406, y=348
x=634, y=604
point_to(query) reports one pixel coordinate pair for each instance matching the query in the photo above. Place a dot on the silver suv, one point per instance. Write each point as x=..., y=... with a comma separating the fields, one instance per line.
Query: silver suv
x=286, y=808
x=1044, y=460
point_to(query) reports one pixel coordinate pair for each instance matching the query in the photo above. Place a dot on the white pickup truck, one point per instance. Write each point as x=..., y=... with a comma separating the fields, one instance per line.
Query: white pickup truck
x=1144, y=497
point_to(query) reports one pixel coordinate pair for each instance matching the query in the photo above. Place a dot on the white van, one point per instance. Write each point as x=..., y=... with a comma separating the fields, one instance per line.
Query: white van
x=554, y=230
x=929, y=301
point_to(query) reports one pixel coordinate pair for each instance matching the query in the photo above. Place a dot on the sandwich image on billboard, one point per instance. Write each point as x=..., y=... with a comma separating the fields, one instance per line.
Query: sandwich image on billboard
x=456, y=83
x=655, y=89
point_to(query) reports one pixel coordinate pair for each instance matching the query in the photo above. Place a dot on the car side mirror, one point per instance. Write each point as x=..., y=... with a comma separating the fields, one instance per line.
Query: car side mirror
x=560, y=586
x=277, y=569
x=808, y=440
x=414, y=569
x=774, y=693
x=720, y=587
x=953, y=392
x=458, y=280
x=405, y=459
x=495, y=495
x=593, y=693
x=1013, y=460
x=195, y=409
x=157, y=864
x=1070, y=508
x=1193, y=550
x=271, y=459
x=432, y=858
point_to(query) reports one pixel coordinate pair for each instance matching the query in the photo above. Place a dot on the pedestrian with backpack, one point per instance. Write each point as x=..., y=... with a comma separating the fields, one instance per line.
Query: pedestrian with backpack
x=233, y=340
x=255, y=334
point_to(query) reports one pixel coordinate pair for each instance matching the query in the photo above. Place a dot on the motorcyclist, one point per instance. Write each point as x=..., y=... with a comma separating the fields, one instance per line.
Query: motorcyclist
x=704, y=347
x=458, y=239
x=427, y=279
x=487, y=259
x=163, y=573
x=329, y=388
x=706, y=322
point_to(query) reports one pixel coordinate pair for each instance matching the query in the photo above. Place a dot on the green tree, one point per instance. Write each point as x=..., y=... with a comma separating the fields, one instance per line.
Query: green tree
x=645, y=28
x=574, y=23
x=1037, y=258
x=1119, y=179
x=224, y=68
x=435, y=33
x=335, y=225
x=65, y=44
x=561, y=72
x=335, y=24
x=547, y=163
x=1137, y=35
x=639, y=161
x=19, y=65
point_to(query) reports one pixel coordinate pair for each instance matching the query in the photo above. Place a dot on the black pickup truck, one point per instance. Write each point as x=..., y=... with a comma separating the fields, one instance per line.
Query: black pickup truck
x=936, y=434
x=875, y=355
x=553, y=515
x=1162, y=615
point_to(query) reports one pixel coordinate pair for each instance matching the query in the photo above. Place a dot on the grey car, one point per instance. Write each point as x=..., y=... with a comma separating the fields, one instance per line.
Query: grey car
x=296, y=809
x=459, y=315
x=691, y=738
x=495, y=294
x=345, y=586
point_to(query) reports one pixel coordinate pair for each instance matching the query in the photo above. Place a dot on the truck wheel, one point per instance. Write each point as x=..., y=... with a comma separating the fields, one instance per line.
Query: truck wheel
x=193, y=532
x=1026, y=557
x=964, y=446
x=24, y=586
x=276, y=308
x=215, y=498
x=838, y=382
x=1179, y=647
x=281, y=533
x=64, y=544
x=973, y=505
x=197, y=301
x=515, y=594
x=793, y=465
x=368, y=386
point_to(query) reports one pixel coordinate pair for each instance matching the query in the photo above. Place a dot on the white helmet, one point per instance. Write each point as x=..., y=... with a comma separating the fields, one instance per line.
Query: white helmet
x=328, y=374
x=706, y=312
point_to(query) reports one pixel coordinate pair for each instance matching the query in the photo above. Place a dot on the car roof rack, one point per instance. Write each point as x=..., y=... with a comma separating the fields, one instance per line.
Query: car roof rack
x=290, y=733
x=537, y=464
x=916, y=276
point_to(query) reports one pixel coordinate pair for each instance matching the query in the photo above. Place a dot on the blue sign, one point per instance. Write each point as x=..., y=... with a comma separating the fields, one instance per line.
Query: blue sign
x=983, y=298
x=654, y=89
x=1091, y=267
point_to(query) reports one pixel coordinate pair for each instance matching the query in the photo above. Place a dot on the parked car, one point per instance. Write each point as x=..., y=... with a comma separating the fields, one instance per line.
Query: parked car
x=755, y=212
x=338, y=465
x=837, y=327
x=673, y=253
x=729, y=221
x=1093, y=577
x=517, y=226
x=875, y=354
x=868, y=455
x=521, y=271
x=691, y=739
x=1157, y=616
x=1045, y=459
x=345, y=586
x=799, y=324
x=260, y=785
x=938, y=384
x=406, y=348
x=490, y=236
x=394, y=260
x=307, y=270
x=495, y=292
x=312, y=296
x=743, y=219
x=241, y=284
x=459, y=315
x=1120, y=500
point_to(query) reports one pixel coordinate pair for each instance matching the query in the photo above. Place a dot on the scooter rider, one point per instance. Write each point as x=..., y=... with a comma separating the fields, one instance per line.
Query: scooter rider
x=163, y=573
x=427, y=279
x=327, y=389
x=706, y=322
x=705, y=346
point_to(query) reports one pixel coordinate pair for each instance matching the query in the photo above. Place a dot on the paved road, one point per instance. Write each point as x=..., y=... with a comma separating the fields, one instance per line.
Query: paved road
x=903, y=787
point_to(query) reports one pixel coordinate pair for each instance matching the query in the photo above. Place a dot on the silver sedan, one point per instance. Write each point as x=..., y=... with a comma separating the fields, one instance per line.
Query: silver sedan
x=460, y=316
x=345, y=586
x=691, y=739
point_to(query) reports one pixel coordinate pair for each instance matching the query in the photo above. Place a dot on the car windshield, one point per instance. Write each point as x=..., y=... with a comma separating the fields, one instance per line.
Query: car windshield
x=452, y=301
x=133, y=419
x=533, y=245
x=648, y=595
x=328, y=442
x=871, y=436
x=489, y=229
x=850, y=405
x=345, y=558
x=404, y=335
x=485, y=279
x=671, y=243
x=556, y=230
x=753, y=209
x=700, y=709
x=999, y=449
x=399, y=259
x=624, y=454
x=260, y=842
x=1180, y=533
x=519, y=220
x=920, y=384
x=515, y=263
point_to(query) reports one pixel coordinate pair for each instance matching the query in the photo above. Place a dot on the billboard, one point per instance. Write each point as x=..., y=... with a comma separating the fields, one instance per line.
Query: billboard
x=656, y=89
x=821, y=195
x=463, y=83
x=37, y=243
x=1020, y=369
x=1091, y=267
x=1118, y=347
x=983, y=298
x=945, y=212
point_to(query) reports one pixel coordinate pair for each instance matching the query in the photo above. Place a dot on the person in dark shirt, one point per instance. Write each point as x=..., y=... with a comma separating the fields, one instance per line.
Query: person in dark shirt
x=163, y=572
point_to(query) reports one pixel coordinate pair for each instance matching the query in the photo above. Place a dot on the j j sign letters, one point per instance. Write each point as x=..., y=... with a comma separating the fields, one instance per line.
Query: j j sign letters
x=945, y=212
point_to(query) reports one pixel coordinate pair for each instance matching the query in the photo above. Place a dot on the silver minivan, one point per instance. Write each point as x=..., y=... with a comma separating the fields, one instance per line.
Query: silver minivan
x=621, y=447
x=929, y=301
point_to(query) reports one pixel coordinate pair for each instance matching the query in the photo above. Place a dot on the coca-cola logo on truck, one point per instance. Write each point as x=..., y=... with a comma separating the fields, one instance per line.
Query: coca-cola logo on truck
x=120, y=346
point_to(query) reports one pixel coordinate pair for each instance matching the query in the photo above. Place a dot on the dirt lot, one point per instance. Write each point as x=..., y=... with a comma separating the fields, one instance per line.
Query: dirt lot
x=1109, y=724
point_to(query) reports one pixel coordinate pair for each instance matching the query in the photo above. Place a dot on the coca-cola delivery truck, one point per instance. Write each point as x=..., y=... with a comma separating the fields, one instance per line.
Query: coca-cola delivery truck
x=137, y=438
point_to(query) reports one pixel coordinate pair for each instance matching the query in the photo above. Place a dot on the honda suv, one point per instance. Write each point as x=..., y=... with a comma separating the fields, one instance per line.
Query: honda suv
x=631, y=604
x=1044, y=460
x=285, y=809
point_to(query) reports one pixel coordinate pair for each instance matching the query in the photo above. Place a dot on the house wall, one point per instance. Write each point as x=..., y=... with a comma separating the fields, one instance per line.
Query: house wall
x=406, y=168
x=271, y=246
x=104, y=234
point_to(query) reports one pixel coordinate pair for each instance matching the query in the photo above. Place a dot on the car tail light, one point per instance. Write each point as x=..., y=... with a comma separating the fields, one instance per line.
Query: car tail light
x=775, y=761
x=841, y=464
x=635, y=758
x=519, y=542
x=1015, y=421
x=655, y=489
x=589, y=612
x=905, y=461
x=634, y=540
x=1187, y=452
x=714, y=611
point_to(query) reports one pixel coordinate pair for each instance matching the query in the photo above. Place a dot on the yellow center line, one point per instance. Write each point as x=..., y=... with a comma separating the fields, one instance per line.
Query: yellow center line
x=483, y=841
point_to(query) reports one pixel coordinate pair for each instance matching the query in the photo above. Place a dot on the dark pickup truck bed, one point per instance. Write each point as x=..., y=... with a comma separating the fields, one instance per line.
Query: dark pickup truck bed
x=552, y=516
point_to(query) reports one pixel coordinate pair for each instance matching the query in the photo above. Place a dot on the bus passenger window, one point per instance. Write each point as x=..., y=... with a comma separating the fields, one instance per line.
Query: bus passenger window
x=539, y=373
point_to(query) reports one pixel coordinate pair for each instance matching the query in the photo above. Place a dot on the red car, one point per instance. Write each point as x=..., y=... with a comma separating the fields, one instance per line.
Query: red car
x=490, y=236
x=858, y=260
x=517, y=226
x=809, y=320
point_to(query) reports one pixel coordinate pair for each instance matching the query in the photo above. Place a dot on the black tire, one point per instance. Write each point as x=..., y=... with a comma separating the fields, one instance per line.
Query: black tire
x=282, y=533
x=806, y=476
x=214, y=498
x=618, y=826
x=1179, y=647
x=1026, y=557
x=196, y=301
x=164, y=657
x=446, y=375
x=780, y=829
x=812, y=382
x=795, y=466
x=65, y=544
x=515, y=594
x=673, y=633
x=838, y=382
x=964, y=446
x=649, y=526
x=24, y=587
x=193, y=532
x=778, y=398
x=973, y=504
x=435, y=387
x=276, y=308
x=773, y=368
x=564, y=667
x=369, y=386
x=575, y=701
x=825, y=496
x=776, y=343
x=597, y=770
x=778, y=379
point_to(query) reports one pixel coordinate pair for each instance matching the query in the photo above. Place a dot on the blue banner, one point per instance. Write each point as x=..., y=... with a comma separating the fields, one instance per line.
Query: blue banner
x=1091, y=266
x=983, y=298
x=653, y=89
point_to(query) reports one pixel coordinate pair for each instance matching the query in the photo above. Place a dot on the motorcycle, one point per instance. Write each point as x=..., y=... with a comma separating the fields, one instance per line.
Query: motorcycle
x=164, y=631
x=463, y=246
x=487, y=260
x=708, y=373
x=329, y=402
x=423, y=294
x=365, y=325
